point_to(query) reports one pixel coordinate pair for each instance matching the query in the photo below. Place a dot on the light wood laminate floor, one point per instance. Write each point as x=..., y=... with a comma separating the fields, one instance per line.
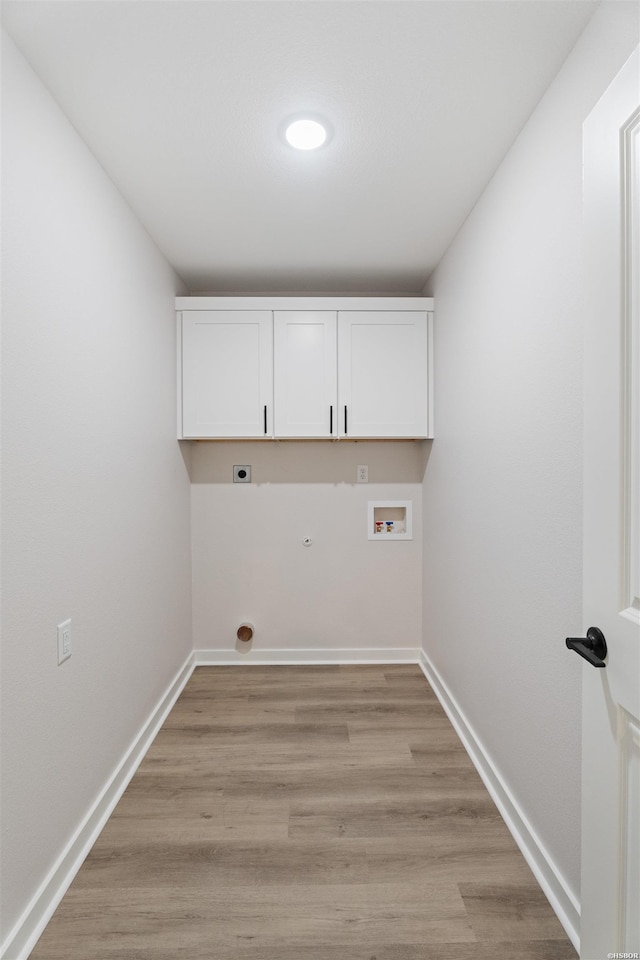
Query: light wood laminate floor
x=305, y=813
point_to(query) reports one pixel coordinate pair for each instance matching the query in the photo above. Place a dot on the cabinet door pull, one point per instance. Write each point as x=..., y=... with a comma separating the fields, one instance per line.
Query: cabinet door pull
x=345, y=419
x=265, y=419
x=331, y=420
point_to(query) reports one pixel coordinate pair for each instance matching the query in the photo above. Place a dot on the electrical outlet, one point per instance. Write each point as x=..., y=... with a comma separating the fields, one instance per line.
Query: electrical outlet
x=363, y=473
x=241, y=473
x=64, y=641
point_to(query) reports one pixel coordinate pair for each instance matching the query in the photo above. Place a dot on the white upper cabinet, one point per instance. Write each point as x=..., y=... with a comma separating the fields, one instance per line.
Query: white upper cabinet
x=383, y=382
x=305, y=373
x=306, y=367
x=227, y=373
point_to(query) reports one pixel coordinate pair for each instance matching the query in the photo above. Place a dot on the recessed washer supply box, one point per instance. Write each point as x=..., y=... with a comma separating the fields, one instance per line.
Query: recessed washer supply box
x=389, y=520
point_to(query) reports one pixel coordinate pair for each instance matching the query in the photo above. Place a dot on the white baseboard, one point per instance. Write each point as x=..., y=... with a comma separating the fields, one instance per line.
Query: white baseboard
x=25, y=934
x=309, y=656
x=553, y=884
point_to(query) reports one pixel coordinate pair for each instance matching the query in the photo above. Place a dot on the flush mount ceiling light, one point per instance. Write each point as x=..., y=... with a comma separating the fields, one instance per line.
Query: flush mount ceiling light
x=306, y=133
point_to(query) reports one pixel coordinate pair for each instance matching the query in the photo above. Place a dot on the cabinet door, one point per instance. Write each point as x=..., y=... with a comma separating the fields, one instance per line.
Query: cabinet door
x=227, y=373
x=305, y=373
x=383, y=364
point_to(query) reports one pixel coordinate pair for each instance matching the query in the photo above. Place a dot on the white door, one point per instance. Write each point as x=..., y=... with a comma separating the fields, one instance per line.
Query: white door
x=610, y=895
x=383, y=364
x=227, y=373
x=305, y=373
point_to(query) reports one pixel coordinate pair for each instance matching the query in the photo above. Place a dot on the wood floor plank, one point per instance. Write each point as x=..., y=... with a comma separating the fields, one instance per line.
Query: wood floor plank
x=252, y=734
x=297, y=913
x=493, y=858
x=179, y=757
x=305, y=813
x=509, y=911
x=398, y=730
x=443, y=748
x=461, y=950
x=326, y=695
x=419, y=818
x=276, y=918
x=255, y=822
x=395, y=710
x=216, y=864
x=214, y=681
x=235, y=710
x=205, y=943
x=392, y=781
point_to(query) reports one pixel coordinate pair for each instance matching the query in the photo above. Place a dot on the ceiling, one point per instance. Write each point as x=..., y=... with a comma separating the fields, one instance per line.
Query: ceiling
x=182, y=103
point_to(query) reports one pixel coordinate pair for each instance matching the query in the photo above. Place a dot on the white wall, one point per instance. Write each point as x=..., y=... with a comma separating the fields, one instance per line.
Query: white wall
x=95, y=490
x=502, y=491
x=344, y=592
x=96, y=493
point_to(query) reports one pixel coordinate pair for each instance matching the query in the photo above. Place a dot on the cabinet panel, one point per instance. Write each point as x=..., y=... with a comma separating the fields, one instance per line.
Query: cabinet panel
x=305, y=374
x=383, y=362
x=227, y=374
